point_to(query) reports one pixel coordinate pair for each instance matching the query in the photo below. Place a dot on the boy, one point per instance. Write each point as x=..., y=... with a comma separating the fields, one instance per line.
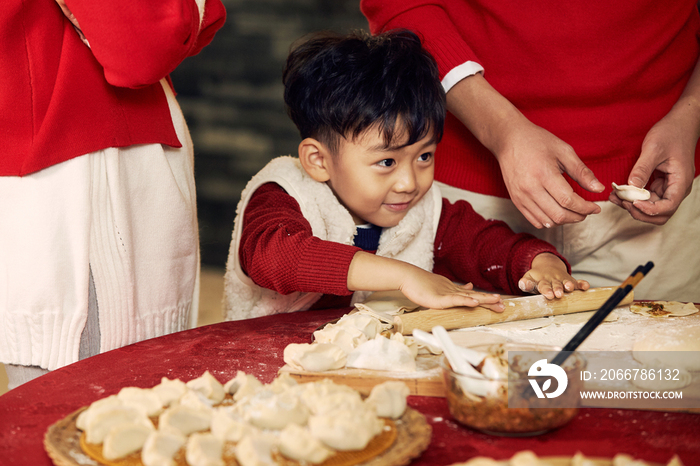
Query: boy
x=358, y=211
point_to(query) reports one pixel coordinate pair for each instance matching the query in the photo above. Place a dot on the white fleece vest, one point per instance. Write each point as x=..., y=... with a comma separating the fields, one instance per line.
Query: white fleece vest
x=412, y=240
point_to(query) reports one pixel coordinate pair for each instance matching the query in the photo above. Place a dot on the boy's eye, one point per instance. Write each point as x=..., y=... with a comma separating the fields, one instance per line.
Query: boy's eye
x=386, y=163
x=425, y=157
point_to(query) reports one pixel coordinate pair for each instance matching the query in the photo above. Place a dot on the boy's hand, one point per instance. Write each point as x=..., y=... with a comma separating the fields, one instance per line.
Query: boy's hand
x=437, y=292
x=370, y=272
x=549, y=277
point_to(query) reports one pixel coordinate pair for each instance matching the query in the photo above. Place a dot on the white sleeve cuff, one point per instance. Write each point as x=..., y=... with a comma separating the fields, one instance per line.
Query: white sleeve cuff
x=460, y=72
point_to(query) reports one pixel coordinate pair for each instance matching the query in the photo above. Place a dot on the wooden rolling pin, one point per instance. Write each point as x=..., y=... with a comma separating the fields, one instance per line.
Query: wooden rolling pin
x=528, y=307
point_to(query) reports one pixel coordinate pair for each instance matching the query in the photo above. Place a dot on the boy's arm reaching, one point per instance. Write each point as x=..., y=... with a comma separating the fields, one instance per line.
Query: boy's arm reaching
x=488, y=253
x=278, y=251
x=370, y=272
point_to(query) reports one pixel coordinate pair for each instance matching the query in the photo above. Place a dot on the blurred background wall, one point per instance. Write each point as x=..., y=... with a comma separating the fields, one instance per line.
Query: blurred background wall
x=231, y=95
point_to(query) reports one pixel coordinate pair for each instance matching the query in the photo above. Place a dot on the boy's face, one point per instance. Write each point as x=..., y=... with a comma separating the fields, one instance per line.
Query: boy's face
x=379, y=185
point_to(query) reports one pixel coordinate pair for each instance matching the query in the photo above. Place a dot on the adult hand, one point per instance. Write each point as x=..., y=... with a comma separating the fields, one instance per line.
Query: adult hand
x=532, y=162
x=531, y=158
x=668, y=152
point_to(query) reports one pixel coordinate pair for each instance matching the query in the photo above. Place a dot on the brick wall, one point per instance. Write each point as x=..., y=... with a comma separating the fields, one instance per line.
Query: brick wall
x=231, y=95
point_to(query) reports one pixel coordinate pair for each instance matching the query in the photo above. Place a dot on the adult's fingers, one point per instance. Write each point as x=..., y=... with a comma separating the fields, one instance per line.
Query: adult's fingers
x=665, y=200
x=579, y=172
x=567, y=206
x=533, y=213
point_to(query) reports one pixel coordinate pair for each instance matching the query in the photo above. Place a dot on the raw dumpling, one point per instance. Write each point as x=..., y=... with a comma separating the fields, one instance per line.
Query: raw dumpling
x=208, y=386
x=348, y=338
x=364, y=323
x=169, y=390
x=318, y=357
x=631, y=193
x=226, y=425
x=388, y=399
x=297, y=443
x=126, y=438
x=242, y=385
x=256, y=450
x=267, y=410
x=382, y=354
x=160, y=448
x=183, y=419
x=203, y=449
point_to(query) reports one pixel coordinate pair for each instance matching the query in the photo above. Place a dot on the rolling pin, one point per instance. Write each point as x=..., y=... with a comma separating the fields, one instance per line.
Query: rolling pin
x=528, y=307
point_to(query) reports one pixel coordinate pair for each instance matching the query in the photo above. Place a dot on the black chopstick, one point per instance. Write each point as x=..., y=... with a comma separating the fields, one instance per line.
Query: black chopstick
x=600, y=315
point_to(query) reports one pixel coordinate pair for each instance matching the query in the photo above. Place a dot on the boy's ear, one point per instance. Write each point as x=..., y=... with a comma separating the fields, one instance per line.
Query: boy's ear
x=314, y=158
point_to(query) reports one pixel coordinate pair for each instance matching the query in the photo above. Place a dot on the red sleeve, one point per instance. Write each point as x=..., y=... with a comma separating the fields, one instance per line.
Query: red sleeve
x=278, y=250
x=426, y=18
x=142, y=41
x=487, y=253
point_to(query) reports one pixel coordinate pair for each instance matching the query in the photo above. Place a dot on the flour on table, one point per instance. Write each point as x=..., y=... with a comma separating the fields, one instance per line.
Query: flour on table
x=529, y=324
x=676, y=348
x=618, y=337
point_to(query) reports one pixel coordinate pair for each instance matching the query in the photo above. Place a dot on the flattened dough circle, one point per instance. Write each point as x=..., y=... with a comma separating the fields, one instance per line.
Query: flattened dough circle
x=661, y=345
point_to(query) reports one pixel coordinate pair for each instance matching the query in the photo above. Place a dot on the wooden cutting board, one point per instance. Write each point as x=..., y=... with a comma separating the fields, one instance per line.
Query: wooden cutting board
x=427, y=380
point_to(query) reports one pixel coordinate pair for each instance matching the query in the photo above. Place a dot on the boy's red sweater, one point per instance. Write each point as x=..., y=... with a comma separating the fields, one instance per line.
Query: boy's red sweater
x=278, y=250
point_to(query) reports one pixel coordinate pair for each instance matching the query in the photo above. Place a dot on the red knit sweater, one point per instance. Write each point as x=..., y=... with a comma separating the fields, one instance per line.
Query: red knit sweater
x=597, y=73
x=60, y=99
x=278, y=250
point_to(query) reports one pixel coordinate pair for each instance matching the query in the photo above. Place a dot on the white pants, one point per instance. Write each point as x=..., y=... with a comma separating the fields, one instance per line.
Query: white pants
x=606, y=248
x=126, y=215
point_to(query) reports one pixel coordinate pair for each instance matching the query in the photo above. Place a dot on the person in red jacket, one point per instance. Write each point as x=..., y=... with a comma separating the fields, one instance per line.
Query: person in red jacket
x=550, y=103
x=358, y=211
x=97, y=199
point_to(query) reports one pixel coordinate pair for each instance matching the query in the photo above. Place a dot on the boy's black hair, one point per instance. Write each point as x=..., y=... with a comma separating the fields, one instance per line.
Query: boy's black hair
x=339, y=86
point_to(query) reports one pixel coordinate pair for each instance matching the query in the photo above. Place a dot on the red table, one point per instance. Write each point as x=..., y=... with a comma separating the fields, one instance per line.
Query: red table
x=256, y=346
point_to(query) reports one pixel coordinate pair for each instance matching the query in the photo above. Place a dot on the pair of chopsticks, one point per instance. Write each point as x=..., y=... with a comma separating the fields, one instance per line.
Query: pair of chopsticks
x=600, y=315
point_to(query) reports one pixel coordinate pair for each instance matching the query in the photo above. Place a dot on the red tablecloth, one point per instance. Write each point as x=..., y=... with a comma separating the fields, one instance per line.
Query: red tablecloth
x=256, y=346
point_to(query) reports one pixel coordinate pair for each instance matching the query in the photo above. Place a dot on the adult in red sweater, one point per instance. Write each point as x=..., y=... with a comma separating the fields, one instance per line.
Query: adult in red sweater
x=366, y=164
x=97, y=199
x=550, y=103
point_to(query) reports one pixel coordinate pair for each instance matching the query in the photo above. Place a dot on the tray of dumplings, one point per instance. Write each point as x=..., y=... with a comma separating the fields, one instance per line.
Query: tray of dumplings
x=242, y=422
